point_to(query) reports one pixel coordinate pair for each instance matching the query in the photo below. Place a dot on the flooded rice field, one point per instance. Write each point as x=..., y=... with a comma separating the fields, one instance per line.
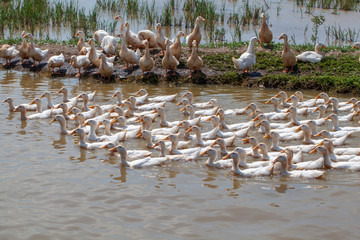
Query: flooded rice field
x=227, y=21
x=52, y=189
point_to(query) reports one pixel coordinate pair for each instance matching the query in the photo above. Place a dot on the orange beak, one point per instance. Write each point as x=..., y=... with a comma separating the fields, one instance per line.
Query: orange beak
x=113, y=150
x=316, y=109
x=287, y=111
x=317, y=135
x=298, y=129
x=60, y=91
x=245, y=140
x=78, y=97
x=183, y=109
x=313, y=151
x=32, y=102
x=155, y=145
x=179, y=103
x=258, y=124
x=166, y=138
x=267, y=136
x=213, y=143
x=288, y=100
x=282, y=151
x=103, y=147
x=139, y=135
x=256, y=147
x=203, y=153
x=42, y=95
x=99, y=123
x=72, y=133
x=268, y=101
x=86, y=123
x=52, y=120
x=189, y=130
x=329, y=101
x=255, y=119
x=327, y=118
x=227, y=156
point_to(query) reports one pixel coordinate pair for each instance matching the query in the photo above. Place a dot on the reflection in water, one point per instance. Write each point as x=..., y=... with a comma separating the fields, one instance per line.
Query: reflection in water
x=211, y=176
x=82, y=157
x=61, y=143
x=236, y=184
x=23, y=124
x=122, y=177
x=282, y=188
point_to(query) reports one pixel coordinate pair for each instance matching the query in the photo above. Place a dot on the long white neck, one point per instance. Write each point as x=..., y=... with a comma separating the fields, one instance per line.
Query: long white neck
x=307, y=136
x=265, y=154
x=250, y=48
x=163, y=119
x=275, y=142
x=335, y=123
x=107, y=130
x=23, y=115
x=199, y=140
x=162, y=150
x=283, y=170
x=50, y=102
x=65, y=96
x=92, y=133
x=327, y=161
x=123, y=159
x=63, y=127
x=173, y=146
x=82, y=139
x=39, y=106
x=211, y=159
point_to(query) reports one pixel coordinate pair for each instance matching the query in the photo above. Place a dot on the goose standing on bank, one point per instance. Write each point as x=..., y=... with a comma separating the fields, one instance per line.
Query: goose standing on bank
x=265, y=34
x=195, y=34
x=248, y=59
x=194, y=62
x=287, y=55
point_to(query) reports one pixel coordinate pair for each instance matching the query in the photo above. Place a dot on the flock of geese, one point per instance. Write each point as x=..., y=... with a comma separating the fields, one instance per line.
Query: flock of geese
x=171, y=50
x=100, y=127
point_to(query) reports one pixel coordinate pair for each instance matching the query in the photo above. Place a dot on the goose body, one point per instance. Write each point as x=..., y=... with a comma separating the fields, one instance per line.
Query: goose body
x=312, y=56
x=56, y=62
x=248, y=59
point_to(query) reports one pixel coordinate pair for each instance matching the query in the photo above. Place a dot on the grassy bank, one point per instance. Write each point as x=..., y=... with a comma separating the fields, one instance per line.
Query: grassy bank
x=338, y=72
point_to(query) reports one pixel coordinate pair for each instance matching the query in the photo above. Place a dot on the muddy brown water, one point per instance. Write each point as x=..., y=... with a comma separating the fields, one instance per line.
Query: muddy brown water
x=52, y=189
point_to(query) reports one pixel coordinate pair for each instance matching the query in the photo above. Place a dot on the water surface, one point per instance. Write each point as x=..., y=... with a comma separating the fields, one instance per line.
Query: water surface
x=52, y=189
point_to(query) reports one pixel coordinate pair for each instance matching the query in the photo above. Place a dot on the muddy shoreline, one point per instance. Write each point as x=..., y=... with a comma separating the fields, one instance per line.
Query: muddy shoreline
x=338, y=72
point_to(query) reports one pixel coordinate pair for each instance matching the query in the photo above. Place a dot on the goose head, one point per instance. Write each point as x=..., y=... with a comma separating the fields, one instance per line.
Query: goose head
x=78, y=131
x=283, y=36
x=294, y=99
x=242, y=157
x=162, y=146
x=265, y=124
x=22, y=111
x=322, y=95
x=321, y=109
x=117, y=110
x=212, y=153
x=132, y=99
x=275, y=137
x=352, y=100
x=121, y=120
x=264, y=150
x=251, y=140
x=199, y=19
x=313, y=127
x=306, y=129
x=119, y=96
x=289, y=154
x=189, y=95
x=141, y=92
x=183, y=102
x=251, y=106
x=334, y=101
x=260, y=117
x=319, y=47
x=300, y=96
x=91, y=122
x=335, y=121
x=282, y=159
x=275, y=102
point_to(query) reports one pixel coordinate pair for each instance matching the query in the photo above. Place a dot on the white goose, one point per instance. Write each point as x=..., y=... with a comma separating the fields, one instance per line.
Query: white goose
x=83, y=144
x=282, y=159
x=163, y=98
x=139, y=163
x=248, y=59
x=10, y=101
x=250, y=172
